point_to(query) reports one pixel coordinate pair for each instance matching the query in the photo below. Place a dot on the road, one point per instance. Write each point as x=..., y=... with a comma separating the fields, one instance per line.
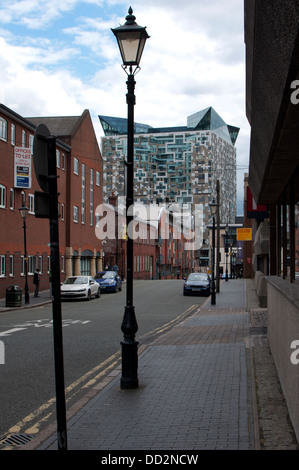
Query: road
x=91, y=345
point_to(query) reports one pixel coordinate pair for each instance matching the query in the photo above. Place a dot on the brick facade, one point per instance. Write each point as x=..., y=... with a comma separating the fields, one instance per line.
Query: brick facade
x=80, y=249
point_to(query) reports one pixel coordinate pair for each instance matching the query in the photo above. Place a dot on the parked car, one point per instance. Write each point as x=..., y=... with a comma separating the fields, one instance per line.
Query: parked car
x=109, y=281
x=197, y=283
x=75, y=287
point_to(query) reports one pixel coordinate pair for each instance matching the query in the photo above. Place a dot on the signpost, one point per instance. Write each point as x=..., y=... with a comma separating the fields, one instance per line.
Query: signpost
x=44, y=156
x=244, y=234
x=22, y=168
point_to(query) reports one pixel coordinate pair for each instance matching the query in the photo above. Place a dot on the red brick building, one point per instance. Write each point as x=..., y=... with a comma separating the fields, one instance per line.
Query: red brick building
x=159, y=243
x=79, y=169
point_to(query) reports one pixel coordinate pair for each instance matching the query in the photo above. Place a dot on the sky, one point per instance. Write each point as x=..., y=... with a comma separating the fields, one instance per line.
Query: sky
x=59, y=57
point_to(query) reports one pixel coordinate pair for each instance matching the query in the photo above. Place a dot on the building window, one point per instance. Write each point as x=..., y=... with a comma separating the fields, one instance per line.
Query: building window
x=91, y=196
x=98, y=178
x=63, y=161
x=31, y=204
x=13, y=135
x=23, y=138
x=76, y=166
x=31, y=264
x=62, y=211
x=57, y=158
x=76, y=214
x=12, y=199
x=62, y=264
x=83, y=195
x=31, y=138
x=2, y=196
x=11, y=265
x=2, y=265
x=3, y=129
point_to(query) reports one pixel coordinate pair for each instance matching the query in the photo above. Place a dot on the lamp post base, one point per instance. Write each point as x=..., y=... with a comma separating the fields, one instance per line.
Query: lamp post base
x=129, y=377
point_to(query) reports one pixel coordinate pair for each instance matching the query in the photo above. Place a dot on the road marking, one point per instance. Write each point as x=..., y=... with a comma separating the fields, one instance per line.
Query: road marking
x=9, y=332
x=40, y=324
x=108, y=364
x=35, y=427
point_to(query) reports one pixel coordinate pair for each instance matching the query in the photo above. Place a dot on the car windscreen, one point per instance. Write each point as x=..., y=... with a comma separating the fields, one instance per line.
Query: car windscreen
x=198, y=277
x=77, y=280
x=107, y=275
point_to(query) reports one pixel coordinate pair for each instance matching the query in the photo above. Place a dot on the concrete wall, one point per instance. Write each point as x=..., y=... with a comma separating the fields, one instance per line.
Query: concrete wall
x=283, y=329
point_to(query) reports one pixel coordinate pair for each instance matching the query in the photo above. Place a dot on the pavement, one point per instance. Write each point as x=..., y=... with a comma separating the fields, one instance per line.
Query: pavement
x=209, y=383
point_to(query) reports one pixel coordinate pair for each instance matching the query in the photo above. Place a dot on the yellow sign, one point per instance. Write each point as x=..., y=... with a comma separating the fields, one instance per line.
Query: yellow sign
x=244, y=234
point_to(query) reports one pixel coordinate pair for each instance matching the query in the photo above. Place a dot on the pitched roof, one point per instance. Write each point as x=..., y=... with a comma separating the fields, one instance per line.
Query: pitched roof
x=60, y=125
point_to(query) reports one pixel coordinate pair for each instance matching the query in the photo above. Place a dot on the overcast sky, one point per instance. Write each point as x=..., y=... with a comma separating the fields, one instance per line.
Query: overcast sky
x=60, y=57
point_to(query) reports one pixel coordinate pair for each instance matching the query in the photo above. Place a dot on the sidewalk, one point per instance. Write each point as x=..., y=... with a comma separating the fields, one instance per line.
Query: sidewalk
x=209, y=383
x=43, y=298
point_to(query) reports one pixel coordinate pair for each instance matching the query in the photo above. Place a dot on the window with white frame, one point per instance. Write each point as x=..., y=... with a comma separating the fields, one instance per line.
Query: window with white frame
x=13, y=135
x=91, y=196
x=58, y=158
x=23, y=138
x=62, y=211
x=31, y=264
x=2, y=196
x=40, y=264
x=12, y=199
x=76, y=166
x=98, y=178
x=83, y=195
x=11, y=265
x=3, y=129
x=76, y=214
x=2, y=265
x=31, y=138
x=63, y=161
x=31, y=204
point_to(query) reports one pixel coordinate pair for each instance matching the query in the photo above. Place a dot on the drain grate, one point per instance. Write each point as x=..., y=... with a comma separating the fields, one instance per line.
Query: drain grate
x=258, y=330
x=16, y=439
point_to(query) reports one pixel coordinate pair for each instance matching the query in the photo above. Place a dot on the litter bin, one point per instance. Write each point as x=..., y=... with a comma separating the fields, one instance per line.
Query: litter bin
x=13, y=296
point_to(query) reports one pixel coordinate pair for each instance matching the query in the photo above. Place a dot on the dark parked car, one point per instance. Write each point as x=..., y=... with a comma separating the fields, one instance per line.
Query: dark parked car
x=197, y=283
x=109, y=281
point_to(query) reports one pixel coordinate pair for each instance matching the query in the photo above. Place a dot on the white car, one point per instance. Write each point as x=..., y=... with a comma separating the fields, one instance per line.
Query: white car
x=75, y=287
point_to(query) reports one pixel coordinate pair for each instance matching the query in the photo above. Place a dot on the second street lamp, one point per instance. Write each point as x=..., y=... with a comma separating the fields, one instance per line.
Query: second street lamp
x=213, y=209
x=131, y=39
x=24, y=211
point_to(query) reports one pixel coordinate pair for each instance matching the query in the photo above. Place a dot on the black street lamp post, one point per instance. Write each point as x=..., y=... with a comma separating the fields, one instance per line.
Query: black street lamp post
x=131, y=39
x=24, y=211
x=213, y=209
x=226, y=251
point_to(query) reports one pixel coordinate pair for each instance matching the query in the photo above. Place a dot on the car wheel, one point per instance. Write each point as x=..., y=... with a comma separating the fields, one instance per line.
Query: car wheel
x=98, y=294
x=88, y=295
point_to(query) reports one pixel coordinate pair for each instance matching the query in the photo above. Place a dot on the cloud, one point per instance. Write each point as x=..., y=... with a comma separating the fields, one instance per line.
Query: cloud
x=59, y=58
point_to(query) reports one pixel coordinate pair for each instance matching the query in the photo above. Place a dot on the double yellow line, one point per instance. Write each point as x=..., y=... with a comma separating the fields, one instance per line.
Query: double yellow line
x=32, y=423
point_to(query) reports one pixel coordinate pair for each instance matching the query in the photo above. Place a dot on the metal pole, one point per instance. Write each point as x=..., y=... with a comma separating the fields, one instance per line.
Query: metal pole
x=56, y=304
x=26, y=265
x=213, y=296
x=218, y=239
x=129, y=327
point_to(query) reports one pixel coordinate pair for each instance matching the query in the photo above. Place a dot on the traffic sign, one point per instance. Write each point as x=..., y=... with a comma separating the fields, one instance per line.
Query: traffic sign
x=40, y=156
x=244, y=234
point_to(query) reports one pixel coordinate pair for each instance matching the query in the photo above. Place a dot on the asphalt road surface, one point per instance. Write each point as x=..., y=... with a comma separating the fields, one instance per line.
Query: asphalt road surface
x=91, y=348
